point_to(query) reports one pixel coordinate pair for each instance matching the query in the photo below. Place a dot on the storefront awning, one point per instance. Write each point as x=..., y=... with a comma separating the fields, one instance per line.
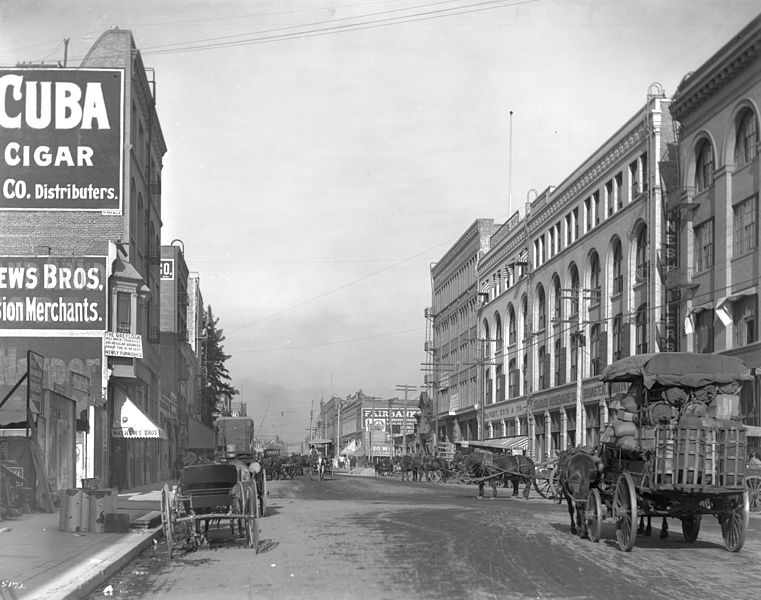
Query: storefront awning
x=519, y=442
x=134, y=423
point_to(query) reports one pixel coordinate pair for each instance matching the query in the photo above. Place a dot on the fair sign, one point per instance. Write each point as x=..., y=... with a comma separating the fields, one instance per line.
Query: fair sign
x=61, y=139
x=53, y=292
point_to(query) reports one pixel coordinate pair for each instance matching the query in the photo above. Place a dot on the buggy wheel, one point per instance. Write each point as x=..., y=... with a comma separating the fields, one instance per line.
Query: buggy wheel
x=625, y=512
x=554, y=483
x=734, y=522
x=753, y=485
x=435, y=476
x=167, y=518
x=593, y=515
x=543, y=487
x=691, y=527
x=252, y=517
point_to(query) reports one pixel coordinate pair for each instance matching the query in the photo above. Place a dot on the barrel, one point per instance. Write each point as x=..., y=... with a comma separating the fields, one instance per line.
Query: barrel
x=101, y=503
x=70, y=516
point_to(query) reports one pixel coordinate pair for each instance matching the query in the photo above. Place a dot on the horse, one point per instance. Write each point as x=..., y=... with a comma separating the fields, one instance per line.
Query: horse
x=505, y=468
x=578, y=472
x=410, y=468
x=320, y=464
x=384, y=467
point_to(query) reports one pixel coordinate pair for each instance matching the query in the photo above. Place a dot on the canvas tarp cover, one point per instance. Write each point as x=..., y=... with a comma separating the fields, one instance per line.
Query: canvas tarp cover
x=683, y=369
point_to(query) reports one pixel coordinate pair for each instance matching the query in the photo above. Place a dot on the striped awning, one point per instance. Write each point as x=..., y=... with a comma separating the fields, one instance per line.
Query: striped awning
x=134, y=423
x=519, y=442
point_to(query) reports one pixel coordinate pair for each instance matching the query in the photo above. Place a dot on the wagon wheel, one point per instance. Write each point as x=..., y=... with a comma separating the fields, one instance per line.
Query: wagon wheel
x=555, y=490
x=252, y=516
x=691, y=527
x=593, y=515
x=238, y=508
x=753, y=485
x=543, y=487
x=167, y=518
x=734, y=522
x=434, y=476
x=625, y=512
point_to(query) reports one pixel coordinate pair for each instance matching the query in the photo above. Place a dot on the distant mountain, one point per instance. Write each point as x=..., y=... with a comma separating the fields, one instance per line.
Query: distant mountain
x=285, y=413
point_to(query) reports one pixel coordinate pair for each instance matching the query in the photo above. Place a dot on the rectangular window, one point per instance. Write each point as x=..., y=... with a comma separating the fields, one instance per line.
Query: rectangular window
x=634, y=179
x=745, y=226
x=619, y=183
x=596, y=206
x=568, y=230
x=575, y=220
x=704, y=246
x=123, y=312
x=588, y=223
x=609, y=200
x=744, y=317
x=704, y=331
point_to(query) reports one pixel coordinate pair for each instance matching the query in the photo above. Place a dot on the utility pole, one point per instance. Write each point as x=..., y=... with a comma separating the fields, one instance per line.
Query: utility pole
x=406, y=389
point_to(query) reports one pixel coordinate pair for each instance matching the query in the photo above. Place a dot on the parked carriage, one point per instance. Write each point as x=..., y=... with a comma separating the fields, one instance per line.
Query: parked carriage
x=211, y=496
x=677, y=449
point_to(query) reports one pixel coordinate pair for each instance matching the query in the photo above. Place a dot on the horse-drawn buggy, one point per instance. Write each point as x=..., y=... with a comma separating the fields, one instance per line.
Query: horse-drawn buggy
x=673, y=447
x=211, y=495
x=320, y=463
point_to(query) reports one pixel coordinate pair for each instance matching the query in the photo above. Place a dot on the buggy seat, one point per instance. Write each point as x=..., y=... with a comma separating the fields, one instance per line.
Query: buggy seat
x=208, y=486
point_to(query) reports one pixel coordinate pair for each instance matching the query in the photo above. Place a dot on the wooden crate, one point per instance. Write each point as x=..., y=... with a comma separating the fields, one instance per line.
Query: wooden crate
x=685, y=456
x=732, y=456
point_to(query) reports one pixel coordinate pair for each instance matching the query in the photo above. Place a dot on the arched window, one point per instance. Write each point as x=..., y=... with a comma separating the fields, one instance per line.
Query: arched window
x=498, y=334
x=557, y=301
x=574, y=291
x=543, y=383
x=594, y=351
x=526, y=321
x=487, y=338
x=643, y=265
x=514, y=379
x=510, y=324
x=642, y=344
x=594, y=278
x=618, y=337
x=704, y=166
x=618, y=260
x=746, y=139
x=541, y=308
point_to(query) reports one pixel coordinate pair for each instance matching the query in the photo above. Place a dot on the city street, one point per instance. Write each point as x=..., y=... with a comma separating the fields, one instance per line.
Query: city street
x=379, y=538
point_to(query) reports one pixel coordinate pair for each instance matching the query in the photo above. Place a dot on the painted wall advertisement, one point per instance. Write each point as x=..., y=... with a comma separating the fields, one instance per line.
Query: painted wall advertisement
x=53, y=292
x=62, y=139
x=66, y=361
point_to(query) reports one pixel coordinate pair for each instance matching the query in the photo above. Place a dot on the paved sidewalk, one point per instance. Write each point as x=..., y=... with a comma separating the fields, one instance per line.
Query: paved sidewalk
x=39, y=561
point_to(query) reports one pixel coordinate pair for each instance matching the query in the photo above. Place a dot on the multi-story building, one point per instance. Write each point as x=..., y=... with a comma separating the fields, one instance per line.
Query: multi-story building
x=86, y=182
x=451, y=347
x=716, y=194
x=574, y=284
x=179, y=361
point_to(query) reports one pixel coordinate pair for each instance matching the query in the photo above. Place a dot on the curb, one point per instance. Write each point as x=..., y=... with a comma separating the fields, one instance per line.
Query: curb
x=82, y=581
x=101, y=574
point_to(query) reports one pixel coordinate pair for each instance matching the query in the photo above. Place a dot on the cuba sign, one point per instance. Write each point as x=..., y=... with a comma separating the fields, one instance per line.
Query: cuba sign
x=61, y=139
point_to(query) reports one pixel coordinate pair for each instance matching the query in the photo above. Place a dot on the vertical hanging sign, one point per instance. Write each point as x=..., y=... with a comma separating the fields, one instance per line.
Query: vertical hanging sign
x=35, y=369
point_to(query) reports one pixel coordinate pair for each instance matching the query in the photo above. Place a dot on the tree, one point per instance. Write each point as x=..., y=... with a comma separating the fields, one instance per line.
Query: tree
x=216, y=391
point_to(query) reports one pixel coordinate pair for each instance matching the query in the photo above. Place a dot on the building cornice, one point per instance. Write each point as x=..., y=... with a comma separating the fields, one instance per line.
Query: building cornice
x=719, y=70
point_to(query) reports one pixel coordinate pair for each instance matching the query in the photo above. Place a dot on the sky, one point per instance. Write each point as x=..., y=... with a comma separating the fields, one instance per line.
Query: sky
x=322, y=154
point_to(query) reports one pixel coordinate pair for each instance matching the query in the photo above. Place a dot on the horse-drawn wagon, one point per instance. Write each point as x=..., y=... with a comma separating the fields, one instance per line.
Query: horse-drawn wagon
x=320, y=463
x=493, y=461
x=210, y=495
x=674, y=447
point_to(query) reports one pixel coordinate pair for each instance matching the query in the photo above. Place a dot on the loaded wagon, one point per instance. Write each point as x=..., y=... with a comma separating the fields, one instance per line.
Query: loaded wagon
x=674, y=447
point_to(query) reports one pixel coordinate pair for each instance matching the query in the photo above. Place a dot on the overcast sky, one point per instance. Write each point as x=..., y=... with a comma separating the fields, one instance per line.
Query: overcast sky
x=323, y=153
